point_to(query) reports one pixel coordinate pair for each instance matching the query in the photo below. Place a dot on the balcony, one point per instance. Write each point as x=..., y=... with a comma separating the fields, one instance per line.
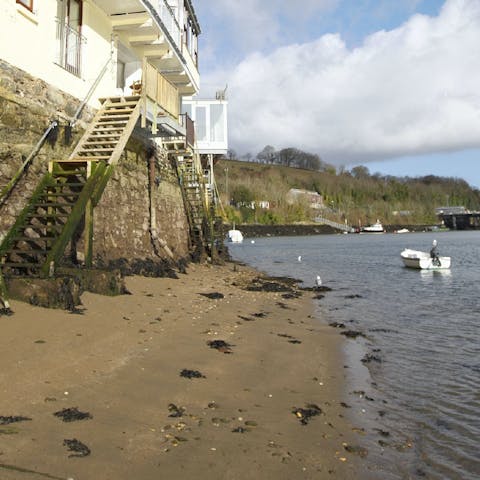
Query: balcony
x=156, y=30
x=161, y=103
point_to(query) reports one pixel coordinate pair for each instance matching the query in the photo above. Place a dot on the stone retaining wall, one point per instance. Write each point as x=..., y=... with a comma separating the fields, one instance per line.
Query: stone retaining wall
x=121, y=219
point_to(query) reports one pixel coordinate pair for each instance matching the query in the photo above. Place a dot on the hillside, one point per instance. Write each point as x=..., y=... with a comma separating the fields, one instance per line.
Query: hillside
x=356, y=196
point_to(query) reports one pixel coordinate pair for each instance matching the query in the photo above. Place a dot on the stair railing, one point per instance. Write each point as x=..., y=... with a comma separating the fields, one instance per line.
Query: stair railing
x=7, y=190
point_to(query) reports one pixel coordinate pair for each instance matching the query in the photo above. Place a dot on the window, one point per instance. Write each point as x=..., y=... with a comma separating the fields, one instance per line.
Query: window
x=70, y=39
x=27, y=4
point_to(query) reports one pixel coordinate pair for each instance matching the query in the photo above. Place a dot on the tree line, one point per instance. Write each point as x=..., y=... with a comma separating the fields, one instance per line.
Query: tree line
x=287, y=157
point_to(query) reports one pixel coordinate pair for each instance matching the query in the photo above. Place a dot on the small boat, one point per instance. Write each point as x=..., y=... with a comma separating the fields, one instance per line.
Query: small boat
x=423, y=260
x=403, y=230
x=235, y=236
x=376, y=227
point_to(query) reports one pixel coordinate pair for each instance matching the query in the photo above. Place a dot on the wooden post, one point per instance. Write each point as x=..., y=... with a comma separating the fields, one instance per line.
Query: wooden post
x=3, y=293
x=143, y=100
x=88, y=233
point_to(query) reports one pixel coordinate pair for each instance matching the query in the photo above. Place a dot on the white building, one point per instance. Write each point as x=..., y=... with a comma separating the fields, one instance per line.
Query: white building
x=104, y=46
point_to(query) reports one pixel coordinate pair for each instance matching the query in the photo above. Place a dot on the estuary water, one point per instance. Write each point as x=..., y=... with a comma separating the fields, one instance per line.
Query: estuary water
x=417, y=390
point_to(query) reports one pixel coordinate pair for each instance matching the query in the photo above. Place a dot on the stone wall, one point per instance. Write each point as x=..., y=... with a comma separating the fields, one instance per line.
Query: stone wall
x=122, y=217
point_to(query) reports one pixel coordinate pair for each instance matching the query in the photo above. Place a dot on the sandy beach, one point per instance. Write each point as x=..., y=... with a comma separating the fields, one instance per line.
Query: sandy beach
x=160, y=401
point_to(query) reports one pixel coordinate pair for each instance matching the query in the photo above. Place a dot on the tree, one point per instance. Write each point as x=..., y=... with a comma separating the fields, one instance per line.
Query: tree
x=231, y=154
x=267, y=155
x=360, y=172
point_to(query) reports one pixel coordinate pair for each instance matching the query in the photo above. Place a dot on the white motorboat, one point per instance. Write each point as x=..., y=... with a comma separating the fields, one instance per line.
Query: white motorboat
x=423, y=260
x=376, y=227
x=235, y=236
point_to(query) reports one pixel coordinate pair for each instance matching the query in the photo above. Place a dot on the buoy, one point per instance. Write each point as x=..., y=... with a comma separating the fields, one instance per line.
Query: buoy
x=299, y=258
x=253, y=241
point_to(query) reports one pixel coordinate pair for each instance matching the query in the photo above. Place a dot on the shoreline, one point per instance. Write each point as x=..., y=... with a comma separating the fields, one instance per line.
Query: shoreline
x=255, y=231
x=267, y=403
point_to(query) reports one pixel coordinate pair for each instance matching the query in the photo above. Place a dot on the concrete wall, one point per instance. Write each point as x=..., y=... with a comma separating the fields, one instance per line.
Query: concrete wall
x=122, y=217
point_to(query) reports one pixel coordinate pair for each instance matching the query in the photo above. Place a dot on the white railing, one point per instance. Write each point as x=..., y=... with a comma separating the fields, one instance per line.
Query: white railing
x=168, y=17
x=69, y=48
x=339, y=226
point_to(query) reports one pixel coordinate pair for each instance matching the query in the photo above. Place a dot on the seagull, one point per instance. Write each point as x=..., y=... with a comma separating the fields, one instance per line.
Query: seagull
x=318, y=281
x=299, y=258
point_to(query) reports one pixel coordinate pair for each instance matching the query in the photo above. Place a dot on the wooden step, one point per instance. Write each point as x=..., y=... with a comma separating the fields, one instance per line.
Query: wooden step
x=27, y=252
x=113, y=136
x=110, y=122
x=95, y=149
x=48, y=215
x=59, y=194
x=39, y=239
x=21, y=265
x=99, y=128
x=119, y=109
x=100, y=142
x=91, y=158
x=54, y=205
x=69, y=184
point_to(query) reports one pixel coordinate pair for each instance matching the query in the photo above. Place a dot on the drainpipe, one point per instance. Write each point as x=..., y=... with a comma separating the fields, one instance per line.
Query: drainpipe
x=157, y=242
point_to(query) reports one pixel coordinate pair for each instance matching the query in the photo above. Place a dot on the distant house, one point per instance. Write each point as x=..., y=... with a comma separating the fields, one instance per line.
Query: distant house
x=264, y=204
x=314, y=199
x=450, y=210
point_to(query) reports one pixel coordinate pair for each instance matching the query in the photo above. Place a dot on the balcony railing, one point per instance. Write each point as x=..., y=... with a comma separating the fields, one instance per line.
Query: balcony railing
x=169, y=19
x=166, y=16
x=189, y=126
x=69, y=48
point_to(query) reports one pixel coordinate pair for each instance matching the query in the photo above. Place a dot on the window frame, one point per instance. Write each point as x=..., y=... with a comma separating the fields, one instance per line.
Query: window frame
x=28, y=4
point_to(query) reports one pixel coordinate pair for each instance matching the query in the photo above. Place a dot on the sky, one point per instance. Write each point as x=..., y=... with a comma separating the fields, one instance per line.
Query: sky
x=390, y=84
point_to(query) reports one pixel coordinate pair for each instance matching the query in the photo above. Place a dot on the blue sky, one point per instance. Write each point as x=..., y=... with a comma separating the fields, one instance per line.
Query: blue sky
x=390, y=84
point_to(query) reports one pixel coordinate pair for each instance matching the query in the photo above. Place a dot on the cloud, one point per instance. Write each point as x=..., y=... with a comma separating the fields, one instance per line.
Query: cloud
x=411, y=90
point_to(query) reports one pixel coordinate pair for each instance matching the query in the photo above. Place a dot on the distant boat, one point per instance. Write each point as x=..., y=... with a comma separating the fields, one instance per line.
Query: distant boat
x=376, y=227
x=403, y=230
x=234, y=235
x=423, y=260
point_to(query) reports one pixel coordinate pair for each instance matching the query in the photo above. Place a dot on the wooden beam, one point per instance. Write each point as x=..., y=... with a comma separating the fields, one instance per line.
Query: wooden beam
x=88, y=232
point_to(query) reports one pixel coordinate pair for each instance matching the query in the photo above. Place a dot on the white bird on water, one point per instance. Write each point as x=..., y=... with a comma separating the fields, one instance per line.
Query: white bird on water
x=299, y=258
x=318, y=281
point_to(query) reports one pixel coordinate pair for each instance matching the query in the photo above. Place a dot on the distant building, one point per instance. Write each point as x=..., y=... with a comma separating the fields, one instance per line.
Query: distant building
x=314, y=199
x=450, y=210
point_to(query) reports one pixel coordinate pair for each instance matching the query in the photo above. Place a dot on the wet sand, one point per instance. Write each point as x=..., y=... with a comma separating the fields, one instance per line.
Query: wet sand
x=121, y=359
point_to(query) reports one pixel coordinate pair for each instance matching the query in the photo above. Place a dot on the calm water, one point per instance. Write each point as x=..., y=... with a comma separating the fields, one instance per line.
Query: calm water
x=423, y=387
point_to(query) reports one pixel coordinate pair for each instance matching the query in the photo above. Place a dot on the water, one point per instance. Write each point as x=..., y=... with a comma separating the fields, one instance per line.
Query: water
x=423, y=326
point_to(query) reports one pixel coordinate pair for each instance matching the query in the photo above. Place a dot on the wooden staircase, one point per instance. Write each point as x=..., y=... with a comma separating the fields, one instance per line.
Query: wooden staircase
x=193, y=189
x=62, y=204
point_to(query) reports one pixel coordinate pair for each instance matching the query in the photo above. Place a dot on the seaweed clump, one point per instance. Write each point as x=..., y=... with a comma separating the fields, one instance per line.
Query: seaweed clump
x=305, y=414
x=75, y=445
x=12, y=419
x=72, y=415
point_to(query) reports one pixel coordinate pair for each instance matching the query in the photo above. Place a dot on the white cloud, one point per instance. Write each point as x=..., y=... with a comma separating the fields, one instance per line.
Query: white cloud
x=412, y=90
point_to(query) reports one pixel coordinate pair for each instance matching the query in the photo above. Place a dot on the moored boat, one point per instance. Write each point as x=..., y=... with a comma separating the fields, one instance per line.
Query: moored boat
x=376, y=227
x=423, y=260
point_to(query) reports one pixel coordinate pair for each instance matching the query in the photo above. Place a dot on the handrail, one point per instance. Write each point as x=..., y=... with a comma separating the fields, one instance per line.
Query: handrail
x=11, y=184
x=89, y=94
x=7, y=190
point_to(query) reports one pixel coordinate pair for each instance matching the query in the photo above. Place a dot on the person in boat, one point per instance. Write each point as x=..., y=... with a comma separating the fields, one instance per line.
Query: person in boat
x=434, y=253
